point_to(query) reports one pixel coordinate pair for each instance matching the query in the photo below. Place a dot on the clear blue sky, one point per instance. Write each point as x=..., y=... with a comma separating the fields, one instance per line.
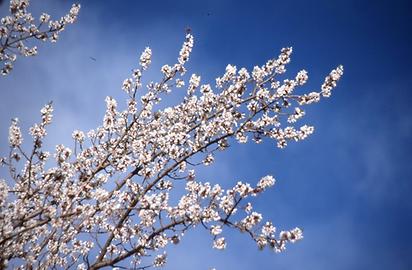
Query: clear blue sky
x=347, y=186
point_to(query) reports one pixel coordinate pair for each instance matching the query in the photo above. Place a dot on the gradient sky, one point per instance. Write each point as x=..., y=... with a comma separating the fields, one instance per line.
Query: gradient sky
x=348, y=186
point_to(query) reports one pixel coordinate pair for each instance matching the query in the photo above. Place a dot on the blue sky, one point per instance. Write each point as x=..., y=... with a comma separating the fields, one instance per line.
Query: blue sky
x=347, y=186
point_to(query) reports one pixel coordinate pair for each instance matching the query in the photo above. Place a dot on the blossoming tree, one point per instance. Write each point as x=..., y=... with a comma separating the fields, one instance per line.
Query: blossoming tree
x=20, y=28
x=108, y=200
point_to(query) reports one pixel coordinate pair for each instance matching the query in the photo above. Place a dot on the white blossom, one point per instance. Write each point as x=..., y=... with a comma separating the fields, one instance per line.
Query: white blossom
x=146, y=58
x=219, y=243
x=160, y=260
x=251, y=220
x=331, y=81
x=208, y=160
x=266, y=182
x=4, y=189
x=127, y=85
x=216, y=230
x=268, y=229
x=78, y=136
x=186, y=49
x=15, y=137
x=302, y=77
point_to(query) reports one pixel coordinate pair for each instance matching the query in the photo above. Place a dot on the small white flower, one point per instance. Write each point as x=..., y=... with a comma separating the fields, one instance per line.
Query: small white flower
x=146, y=58
x=78, y=136
x=216, y=230
x=160, y=260
x=219, y=243
x=15, y=137
x=266, y=182
x=208, y=160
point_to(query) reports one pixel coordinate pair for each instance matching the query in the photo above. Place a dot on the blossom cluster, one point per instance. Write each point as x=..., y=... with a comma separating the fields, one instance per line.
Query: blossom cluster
x=18, y=28
x=117, y=194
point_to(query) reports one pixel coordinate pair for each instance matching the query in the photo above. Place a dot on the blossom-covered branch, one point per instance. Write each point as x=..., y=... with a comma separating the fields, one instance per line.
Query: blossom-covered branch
x=19, y=28
x=115, y=199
